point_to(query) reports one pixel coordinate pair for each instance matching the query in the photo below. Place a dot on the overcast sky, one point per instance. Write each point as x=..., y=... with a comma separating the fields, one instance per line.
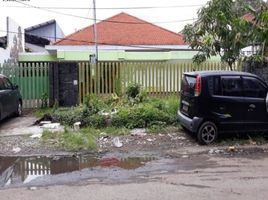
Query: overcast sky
x=170, y=13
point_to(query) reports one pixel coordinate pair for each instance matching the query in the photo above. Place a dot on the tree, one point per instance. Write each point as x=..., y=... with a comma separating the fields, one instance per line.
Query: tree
x=219, y=30
x=259, y=30
x=241, y=6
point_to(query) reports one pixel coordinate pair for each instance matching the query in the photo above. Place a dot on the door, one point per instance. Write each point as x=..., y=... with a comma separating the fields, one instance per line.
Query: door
x=68, y=84
x=227, y=103
x=255, y=92
x=7, y=97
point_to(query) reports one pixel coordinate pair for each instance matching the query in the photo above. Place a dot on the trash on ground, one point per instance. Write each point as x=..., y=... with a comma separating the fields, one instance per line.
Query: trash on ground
x=117, y=143
x=16, y=149
x=51, y=126
x=38, y=135
x=231, y=148
x=44, y=122
x=140, y=132
x=77, y=126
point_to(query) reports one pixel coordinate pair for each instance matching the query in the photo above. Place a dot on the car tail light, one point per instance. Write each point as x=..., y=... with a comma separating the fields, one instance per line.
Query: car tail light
x=197, y=89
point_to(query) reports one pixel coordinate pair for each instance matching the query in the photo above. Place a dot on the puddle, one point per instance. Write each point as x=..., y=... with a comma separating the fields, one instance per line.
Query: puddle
x=22, y=170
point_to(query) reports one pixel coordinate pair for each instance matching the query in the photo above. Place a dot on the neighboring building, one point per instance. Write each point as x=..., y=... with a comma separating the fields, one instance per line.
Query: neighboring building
x=40, y=35
x=121, y=37
x=13, y=43
x=32, y=39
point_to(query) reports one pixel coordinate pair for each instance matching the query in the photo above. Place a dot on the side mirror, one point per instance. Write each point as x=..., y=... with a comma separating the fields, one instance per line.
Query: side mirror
x=15, y=87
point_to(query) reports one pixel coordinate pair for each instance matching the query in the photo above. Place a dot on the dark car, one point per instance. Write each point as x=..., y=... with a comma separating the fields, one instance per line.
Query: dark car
x=216, y=102
x=10, y=98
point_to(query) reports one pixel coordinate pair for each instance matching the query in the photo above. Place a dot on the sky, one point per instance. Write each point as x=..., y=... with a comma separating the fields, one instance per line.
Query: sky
x=169, y=14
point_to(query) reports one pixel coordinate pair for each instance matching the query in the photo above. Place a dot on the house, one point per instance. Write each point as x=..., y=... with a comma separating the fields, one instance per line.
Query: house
x=120, y=38
x=40, y=35
x=32, y=39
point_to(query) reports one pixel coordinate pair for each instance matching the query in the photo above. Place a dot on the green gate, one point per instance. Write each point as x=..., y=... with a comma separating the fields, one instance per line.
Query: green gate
x=32, y=79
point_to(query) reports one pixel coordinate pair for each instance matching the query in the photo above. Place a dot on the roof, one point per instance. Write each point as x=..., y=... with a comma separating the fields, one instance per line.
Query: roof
x=40, y=25
x=223, y=73
x=124, y=29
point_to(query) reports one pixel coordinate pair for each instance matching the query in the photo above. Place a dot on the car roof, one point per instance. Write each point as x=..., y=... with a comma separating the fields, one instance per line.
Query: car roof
x=213, y=73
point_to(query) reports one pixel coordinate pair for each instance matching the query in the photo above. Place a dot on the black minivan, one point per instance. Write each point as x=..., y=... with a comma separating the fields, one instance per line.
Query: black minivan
x=215, y=102
x=10, y=98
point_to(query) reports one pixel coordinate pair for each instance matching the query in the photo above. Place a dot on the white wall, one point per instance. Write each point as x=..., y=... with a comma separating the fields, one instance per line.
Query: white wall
x=15, y=42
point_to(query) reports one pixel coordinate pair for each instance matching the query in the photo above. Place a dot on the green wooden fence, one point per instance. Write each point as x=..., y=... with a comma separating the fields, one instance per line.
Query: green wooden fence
x=158, y=78
x=32, y=79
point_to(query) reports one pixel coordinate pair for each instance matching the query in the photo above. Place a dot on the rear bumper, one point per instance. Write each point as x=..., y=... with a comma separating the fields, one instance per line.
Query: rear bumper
x=190, y=124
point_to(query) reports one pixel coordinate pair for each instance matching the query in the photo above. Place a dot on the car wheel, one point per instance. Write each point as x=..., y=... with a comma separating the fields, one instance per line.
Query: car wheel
x=19, y=109
x=207, y=133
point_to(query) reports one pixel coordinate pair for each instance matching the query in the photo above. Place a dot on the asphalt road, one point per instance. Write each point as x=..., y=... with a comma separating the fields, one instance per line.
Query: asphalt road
x=216, y=177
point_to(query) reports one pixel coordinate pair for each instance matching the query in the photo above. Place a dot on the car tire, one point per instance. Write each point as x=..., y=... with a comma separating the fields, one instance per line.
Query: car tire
x=207, y=133
x=18, y=112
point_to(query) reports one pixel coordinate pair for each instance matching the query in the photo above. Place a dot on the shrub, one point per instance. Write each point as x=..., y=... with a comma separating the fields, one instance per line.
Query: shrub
x=133, y=90
x=94, y=104
x=140, y=116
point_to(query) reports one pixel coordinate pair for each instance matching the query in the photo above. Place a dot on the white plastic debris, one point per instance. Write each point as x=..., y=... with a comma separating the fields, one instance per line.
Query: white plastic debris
x=117, y=143
x=77, y=126
x=44, y=122
x=33, y=188
x=38, y=135
x=51, y=126
x=16, y=149
x=114, y=111
x=140, y=132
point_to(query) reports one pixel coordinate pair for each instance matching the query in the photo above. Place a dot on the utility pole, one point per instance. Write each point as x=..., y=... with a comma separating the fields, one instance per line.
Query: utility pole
x=95, y=32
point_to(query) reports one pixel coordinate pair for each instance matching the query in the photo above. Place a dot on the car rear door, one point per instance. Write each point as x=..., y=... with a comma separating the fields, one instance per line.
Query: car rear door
x=4, y=99
x=187, y=106
x=227, y=103
x=12, y=97
x=255, y=92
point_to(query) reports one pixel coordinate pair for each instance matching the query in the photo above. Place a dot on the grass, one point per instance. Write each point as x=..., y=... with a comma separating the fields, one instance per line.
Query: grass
x=42, y=111
x=85, y=139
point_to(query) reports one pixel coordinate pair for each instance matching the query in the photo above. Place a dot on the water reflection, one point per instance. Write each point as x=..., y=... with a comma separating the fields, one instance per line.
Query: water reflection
x=18, y=170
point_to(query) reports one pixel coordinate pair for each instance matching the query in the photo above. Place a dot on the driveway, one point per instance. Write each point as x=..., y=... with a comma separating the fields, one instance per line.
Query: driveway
x=19, y=126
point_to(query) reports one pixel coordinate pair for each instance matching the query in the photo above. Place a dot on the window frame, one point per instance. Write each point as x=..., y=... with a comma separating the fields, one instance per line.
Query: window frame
x=231, y=77
x=259, y=81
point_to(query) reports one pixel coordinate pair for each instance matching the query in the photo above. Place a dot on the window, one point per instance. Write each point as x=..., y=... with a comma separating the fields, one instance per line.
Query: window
x=7, y=84
x=231, y=86
x=253, y=88
x=214, y=85
x=188, y=84
x=2, y=86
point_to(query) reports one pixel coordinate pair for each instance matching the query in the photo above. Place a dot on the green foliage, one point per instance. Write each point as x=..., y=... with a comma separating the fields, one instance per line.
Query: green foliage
x=133, y=90
x=97, y=121
x=219, y=30
x=144, y=113
x=151, y=112
x=68, y=116
x=94, y=104
x=44, y=100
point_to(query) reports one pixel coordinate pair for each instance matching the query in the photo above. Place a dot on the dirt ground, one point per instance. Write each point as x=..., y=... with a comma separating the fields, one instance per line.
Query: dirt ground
x=16, y=139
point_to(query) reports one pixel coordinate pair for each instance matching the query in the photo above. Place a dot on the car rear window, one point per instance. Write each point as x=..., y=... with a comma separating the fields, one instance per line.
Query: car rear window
x=188, y=84
x=214, y=85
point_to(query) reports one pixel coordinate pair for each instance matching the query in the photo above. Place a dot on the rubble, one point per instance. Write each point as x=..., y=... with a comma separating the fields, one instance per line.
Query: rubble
x=77, y=126
x=140, y=132
x=16, y=149
x=117, y=143
x=51, y=126
x=39, y=135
